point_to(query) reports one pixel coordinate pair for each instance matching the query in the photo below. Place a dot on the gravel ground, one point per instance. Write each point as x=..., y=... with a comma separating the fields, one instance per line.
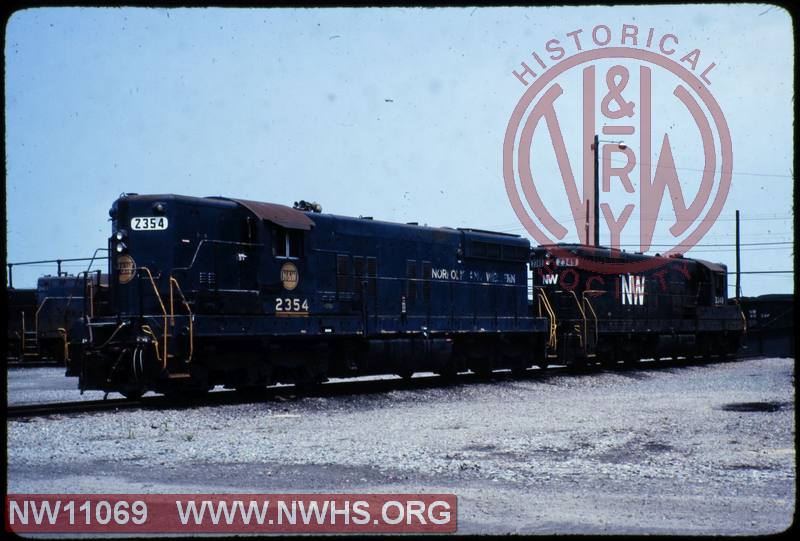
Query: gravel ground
x=660, y=451
x=46, y=384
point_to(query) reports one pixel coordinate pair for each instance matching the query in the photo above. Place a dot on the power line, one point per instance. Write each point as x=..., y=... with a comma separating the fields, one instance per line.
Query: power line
x=720, y=245
x=765, y=272
x=734, y=173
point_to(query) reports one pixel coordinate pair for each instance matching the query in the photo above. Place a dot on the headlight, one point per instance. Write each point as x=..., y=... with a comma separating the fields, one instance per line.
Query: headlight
x=121, y=234
x=120, y=247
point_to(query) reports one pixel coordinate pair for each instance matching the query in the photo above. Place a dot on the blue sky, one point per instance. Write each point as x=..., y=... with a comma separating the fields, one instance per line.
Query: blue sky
x=394, y=113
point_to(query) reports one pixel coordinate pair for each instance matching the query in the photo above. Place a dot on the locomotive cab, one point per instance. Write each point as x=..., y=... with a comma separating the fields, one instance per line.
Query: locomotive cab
x=176, y=260
x=713, y=284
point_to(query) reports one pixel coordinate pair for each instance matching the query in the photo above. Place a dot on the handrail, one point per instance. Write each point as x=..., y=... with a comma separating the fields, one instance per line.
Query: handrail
x=552, y=339
x=69, y=301
x=36, y=317
x=91, y=295
x=147, y=330
x=173, y=280
x=113, y=334
x=94, y=256
x=583, y=317
x=163, y=310
x=594, y=315
x=213, y=241
x=63, y=332
x=741, y=313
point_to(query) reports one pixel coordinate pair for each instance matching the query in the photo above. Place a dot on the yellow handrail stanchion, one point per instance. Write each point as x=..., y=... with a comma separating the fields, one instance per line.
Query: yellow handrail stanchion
x=63, y=333
x=147, y=330
x=163, y=310
x=172, y=280
x=594, y=314
x=583, y=317
x=553, y=335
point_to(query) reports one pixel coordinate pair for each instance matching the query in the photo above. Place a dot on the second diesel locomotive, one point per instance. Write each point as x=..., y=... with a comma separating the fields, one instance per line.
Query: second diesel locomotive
x=41, y=320
x=613, y=306
x=209, y=291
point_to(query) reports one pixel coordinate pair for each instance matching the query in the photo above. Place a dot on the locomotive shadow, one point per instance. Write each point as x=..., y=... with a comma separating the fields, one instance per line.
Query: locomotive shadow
x=293, y=393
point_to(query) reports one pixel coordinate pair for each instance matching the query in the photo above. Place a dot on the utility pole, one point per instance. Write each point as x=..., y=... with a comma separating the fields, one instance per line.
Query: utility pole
x=596, y=190
x=596, y=147
x=586, y=224
x=738, y=260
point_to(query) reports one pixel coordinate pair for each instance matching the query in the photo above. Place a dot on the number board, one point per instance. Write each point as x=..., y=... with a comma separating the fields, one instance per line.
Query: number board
x=149, y=223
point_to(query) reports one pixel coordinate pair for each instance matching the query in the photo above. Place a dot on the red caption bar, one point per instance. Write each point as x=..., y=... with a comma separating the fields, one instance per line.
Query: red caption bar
x=216, y=513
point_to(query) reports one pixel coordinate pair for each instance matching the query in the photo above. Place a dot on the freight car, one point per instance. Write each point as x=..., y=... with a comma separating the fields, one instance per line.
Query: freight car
x=609, y=305
x=208, y=291
x=770, y=325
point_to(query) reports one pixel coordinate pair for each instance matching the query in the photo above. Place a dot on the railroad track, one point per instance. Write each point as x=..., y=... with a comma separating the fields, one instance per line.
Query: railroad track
x=32, y=364
x=17, y=411
x=331, y=389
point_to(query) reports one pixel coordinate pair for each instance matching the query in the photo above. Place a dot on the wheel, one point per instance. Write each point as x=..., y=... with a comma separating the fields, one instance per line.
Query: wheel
x=519, y=371
x=609, y=361
x=250, y=390
x=132, y=394
x=543, y=363
x=630, y=359
x=483, y=371
x=448, y=372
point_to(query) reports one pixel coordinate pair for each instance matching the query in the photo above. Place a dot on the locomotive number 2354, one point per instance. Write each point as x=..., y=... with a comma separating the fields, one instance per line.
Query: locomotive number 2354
x=150, y=223
x=291, y=305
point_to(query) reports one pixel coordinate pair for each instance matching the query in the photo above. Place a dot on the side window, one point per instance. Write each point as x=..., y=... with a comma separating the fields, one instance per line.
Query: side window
x=279, y=248
x=295, y=244
x=288, y=243
x=719, y=288
x=249, y=230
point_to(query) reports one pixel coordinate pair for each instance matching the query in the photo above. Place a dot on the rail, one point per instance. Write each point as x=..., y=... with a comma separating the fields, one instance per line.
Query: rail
x=58, y=262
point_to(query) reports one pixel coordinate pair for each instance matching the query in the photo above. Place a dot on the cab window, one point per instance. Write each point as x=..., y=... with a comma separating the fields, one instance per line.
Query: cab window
x=288, y=243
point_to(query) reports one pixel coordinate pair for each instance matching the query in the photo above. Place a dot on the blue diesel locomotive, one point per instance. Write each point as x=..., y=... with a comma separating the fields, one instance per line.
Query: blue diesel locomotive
x=219, y=291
